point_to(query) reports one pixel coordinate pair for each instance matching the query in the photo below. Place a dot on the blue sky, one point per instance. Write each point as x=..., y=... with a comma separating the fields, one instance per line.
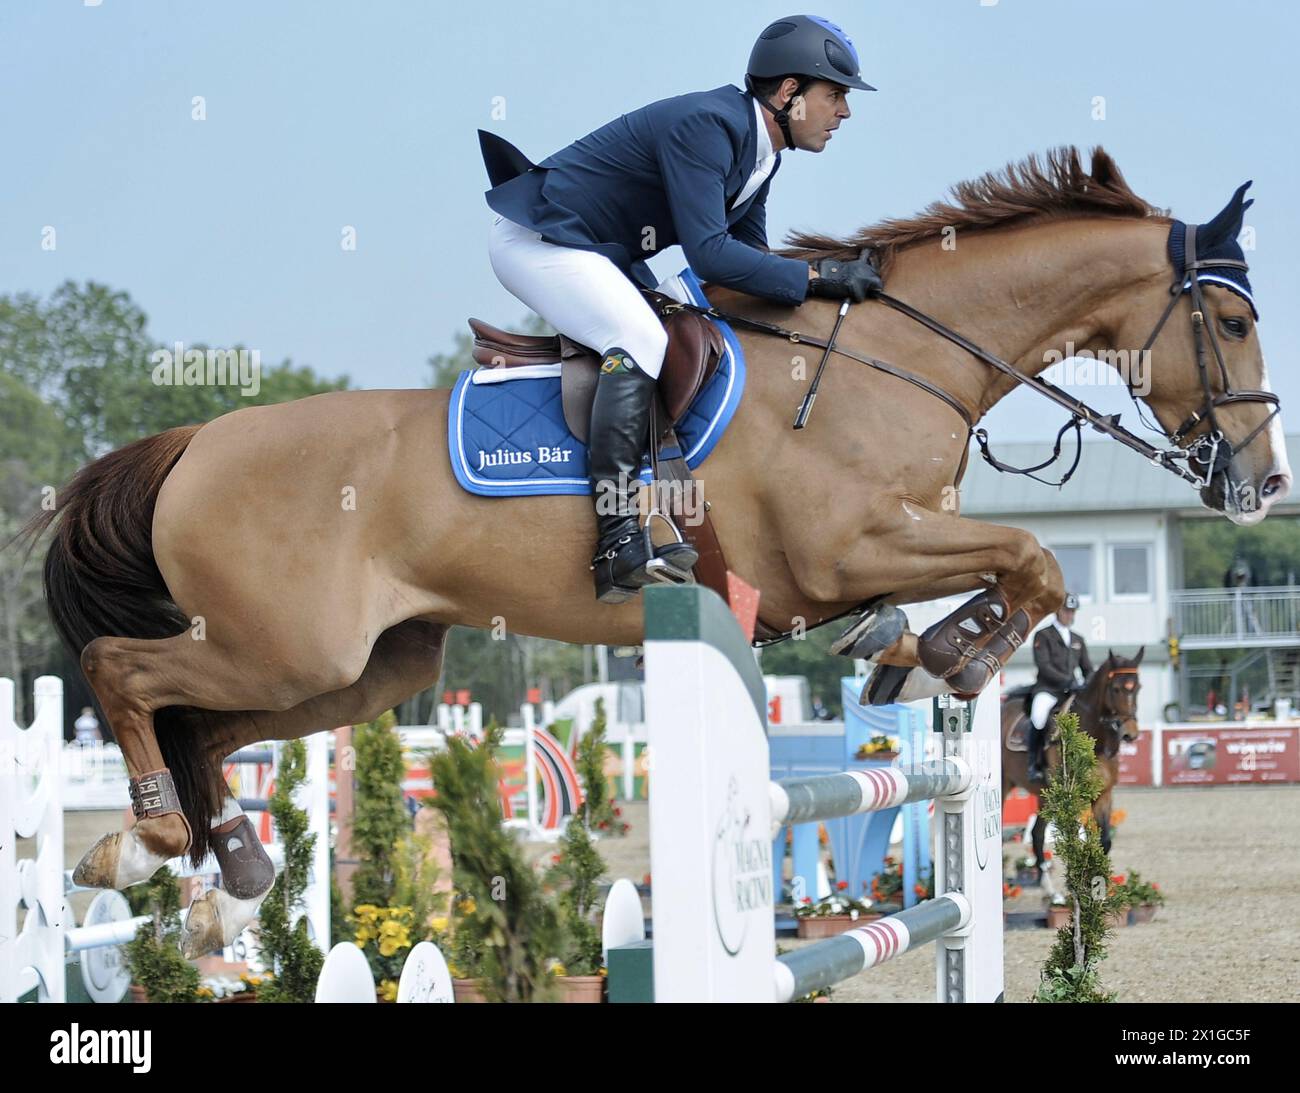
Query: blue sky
x=325, y=115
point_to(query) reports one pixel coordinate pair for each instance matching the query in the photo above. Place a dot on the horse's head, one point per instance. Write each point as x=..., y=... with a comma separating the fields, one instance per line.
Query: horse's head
x=1115, y=687
x=1204, y=376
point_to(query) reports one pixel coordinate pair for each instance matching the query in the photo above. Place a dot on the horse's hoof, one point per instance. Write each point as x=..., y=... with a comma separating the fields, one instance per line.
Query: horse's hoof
x=877, y=629
x=202, y=933
x=98, y=866
x=971, y=680
x=215, y=920
x=123, y=858
x=883, y=685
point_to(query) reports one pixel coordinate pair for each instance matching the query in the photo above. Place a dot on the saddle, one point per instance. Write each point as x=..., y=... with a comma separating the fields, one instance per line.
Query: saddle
x=694, y=352
x=1018, y=737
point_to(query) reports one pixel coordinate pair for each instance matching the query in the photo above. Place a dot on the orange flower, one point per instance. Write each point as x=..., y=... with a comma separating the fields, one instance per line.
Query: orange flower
x=841, y=885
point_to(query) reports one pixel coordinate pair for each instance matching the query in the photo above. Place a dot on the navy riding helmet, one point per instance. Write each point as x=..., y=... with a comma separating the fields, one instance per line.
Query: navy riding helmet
x=806, y=46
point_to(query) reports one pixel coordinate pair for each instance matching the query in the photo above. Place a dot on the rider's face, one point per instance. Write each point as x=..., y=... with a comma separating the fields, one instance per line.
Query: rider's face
x=1066, y=616
x=821, y=109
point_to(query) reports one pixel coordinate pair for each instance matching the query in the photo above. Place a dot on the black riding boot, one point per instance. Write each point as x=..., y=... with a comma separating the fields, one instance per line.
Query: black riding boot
x=1036, y=771
x=625, y=561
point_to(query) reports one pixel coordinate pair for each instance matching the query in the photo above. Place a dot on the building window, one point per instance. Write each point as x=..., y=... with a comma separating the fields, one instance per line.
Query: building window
x=1130, y=571
x=1076, y=567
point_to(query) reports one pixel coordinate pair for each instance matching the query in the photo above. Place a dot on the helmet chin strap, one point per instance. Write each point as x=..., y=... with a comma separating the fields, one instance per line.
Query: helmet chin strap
x=782, y=116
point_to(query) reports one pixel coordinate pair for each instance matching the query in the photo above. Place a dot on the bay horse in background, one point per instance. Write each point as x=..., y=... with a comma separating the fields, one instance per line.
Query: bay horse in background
x=1107, y=709
x=288, y=568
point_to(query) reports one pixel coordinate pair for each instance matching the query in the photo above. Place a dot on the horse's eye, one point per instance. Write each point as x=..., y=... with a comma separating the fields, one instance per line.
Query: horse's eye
x=1234, y=328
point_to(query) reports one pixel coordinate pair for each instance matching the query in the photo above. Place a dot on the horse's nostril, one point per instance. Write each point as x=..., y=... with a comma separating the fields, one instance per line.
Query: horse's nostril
x=1276, y=486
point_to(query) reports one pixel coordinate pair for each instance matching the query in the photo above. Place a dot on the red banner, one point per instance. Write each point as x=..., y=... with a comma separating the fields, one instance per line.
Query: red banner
x=1225, y=756
x=1135, y=761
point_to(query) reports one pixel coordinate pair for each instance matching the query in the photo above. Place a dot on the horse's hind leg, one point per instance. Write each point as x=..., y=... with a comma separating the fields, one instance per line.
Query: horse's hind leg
x=406, y=659
x=176, y=800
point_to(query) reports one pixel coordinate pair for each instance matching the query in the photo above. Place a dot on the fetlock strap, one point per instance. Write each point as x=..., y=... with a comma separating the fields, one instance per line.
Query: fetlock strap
x=154, y=794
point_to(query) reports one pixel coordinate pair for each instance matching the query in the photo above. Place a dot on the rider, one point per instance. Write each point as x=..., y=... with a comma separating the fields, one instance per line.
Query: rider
x=574, y=232
x=1064, y=666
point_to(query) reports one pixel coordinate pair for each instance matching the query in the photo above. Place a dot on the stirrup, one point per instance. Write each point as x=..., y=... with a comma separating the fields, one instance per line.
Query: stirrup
x=671, y=563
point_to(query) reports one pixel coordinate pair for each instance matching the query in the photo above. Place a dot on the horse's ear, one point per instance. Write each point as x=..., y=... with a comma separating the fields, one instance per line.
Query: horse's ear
x=1138, y=659
x=1103, y=170
x=1226, y=224
x=1110, y=654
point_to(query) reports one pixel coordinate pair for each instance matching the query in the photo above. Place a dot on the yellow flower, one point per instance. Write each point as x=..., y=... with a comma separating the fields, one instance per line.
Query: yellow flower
x=388, y=989
x=439, y=923
x=389, y=946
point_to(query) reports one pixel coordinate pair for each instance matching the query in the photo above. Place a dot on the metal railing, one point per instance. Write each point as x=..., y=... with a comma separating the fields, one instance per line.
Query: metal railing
x=1207, y=618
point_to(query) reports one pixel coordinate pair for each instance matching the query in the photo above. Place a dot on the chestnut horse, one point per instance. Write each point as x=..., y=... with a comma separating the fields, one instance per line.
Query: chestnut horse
x=285, y=569
x=1107, y=709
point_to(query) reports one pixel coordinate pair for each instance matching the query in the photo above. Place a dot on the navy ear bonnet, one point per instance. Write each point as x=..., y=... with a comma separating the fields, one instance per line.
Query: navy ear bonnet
x=1217, y=239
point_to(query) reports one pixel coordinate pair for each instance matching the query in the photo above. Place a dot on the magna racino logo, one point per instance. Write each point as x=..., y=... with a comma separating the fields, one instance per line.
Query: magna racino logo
x=742, y=869
x=987, y=811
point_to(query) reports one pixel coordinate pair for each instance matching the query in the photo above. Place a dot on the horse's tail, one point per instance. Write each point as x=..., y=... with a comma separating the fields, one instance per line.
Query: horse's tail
x=101, y=579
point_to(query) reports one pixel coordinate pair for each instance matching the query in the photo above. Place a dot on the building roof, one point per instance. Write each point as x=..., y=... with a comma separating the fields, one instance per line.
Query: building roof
x=1109, y=478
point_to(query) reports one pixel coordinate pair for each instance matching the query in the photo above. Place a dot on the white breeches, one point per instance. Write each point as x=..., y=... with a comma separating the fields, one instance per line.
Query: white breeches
x=579, y=292
x=1041, y=708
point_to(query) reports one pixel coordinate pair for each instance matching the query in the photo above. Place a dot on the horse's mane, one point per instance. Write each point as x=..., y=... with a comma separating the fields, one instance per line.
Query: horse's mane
x=1030, y=190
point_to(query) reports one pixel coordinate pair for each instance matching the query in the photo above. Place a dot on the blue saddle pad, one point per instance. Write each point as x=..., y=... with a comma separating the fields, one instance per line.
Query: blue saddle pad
x=507, y=436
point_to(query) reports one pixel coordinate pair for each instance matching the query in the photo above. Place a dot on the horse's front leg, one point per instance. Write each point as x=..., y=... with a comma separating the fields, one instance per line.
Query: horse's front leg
x=925, y=555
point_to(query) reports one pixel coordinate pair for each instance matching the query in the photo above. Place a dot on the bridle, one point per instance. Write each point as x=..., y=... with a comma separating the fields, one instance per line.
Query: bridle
x=1212, y=450
x=1109, y=719
x=1198, y=463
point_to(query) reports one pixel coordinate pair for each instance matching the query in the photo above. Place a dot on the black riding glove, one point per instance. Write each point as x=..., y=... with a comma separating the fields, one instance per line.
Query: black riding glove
x=839, y=280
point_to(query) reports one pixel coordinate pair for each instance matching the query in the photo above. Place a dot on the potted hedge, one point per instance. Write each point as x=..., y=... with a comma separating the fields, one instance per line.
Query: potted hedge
x=600, y=815
x=396, y=902
x=283, y=941
x=1070, y=973
x=159, y=973
x=504, y=929
x=576, y=870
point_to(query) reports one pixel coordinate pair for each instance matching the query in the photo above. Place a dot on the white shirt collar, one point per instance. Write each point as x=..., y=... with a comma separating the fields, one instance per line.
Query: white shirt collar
x=765, y=150
x=1063, y=630
x=764, y=161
